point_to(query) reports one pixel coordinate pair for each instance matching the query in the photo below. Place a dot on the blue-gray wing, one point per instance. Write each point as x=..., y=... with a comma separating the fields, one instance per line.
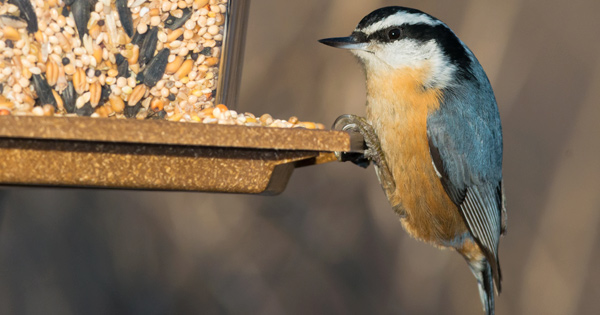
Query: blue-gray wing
x=465, y=141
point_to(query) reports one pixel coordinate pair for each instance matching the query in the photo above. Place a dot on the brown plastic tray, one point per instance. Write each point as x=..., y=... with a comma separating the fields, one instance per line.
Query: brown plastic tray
x=158, y=155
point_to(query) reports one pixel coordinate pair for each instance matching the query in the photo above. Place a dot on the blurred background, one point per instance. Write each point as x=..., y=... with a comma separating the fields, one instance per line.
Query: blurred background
x=330, y=244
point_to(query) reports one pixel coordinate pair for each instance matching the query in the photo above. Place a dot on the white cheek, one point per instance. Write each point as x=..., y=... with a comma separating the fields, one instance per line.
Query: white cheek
x=412, y=54
x=405, y=53
x=443, y=70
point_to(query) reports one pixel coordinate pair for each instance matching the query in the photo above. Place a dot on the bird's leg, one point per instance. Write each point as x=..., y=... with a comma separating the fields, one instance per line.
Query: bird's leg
x=358, y=127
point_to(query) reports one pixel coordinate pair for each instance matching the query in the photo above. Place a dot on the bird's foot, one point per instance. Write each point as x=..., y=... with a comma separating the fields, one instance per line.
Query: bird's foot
x=365, y=148
x=365, y=142
x=362, y=137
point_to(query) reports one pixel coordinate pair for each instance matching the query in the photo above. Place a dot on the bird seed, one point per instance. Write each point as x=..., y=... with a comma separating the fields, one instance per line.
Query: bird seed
x=144, y=59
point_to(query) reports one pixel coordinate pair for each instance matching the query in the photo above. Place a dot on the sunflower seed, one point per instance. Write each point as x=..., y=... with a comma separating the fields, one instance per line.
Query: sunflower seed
x=156, y=115
x=206, y=51
x=43, y=90
x=85, y=110
x=131, y=111
x=174, y=23
x=148, y=46
x=27, y=13
x=119, y=59
x=156, y=68
x=105, y=94
x=125, y=16
x=139, y=78
x=69, y=96
x=123, y=69
x=138, y=38
x=81, y=13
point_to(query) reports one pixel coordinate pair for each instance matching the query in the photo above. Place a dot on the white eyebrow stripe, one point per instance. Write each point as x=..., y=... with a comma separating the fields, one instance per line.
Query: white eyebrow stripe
x=399, y=19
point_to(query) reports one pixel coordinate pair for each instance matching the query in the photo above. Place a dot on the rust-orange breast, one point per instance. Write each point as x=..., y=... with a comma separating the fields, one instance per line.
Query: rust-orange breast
x=398, y=106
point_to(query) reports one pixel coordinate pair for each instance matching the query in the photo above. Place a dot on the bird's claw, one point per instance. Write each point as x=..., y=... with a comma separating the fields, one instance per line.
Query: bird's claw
x=364, y=142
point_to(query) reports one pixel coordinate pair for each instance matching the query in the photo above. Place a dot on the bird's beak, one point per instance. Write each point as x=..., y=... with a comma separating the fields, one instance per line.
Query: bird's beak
x=350, y=42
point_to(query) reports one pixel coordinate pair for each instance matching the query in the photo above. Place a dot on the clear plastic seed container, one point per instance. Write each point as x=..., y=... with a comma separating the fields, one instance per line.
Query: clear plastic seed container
x=145, y=59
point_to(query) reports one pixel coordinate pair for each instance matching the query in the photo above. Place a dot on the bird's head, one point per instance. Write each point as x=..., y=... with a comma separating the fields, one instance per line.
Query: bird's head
x=398, y=38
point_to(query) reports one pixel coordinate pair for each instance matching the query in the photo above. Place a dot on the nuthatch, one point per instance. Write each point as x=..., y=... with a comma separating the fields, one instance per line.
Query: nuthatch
x=433, y=131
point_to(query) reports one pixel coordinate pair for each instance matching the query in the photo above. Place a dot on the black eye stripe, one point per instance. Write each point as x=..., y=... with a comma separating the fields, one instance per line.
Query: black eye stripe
x=421, y=32
x=384, y=35
x=360, y=37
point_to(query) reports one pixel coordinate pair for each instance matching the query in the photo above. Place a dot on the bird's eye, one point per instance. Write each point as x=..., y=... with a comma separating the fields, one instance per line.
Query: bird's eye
x=394, y=33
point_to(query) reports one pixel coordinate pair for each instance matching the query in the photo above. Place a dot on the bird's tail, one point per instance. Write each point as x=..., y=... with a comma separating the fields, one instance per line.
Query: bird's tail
x=485, y=280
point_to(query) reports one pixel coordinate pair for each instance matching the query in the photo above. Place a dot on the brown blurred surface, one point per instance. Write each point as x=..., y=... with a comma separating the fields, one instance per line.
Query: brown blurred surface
x=330, y=244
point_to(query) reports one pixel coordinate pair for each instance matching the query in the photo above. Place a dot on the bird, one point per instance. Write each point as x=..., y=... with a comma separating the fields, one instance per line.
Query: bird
x=433, y=131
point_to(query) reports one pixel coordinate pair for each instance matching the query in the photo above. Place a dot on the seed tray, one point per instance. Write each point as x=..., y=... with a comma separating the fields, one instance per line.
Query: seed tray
x=158, y=155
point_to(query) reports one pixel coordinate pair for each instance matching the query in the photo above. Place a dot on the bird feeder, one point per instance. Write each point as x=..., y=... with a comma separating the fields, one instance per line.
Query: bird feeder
x=125, y=74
